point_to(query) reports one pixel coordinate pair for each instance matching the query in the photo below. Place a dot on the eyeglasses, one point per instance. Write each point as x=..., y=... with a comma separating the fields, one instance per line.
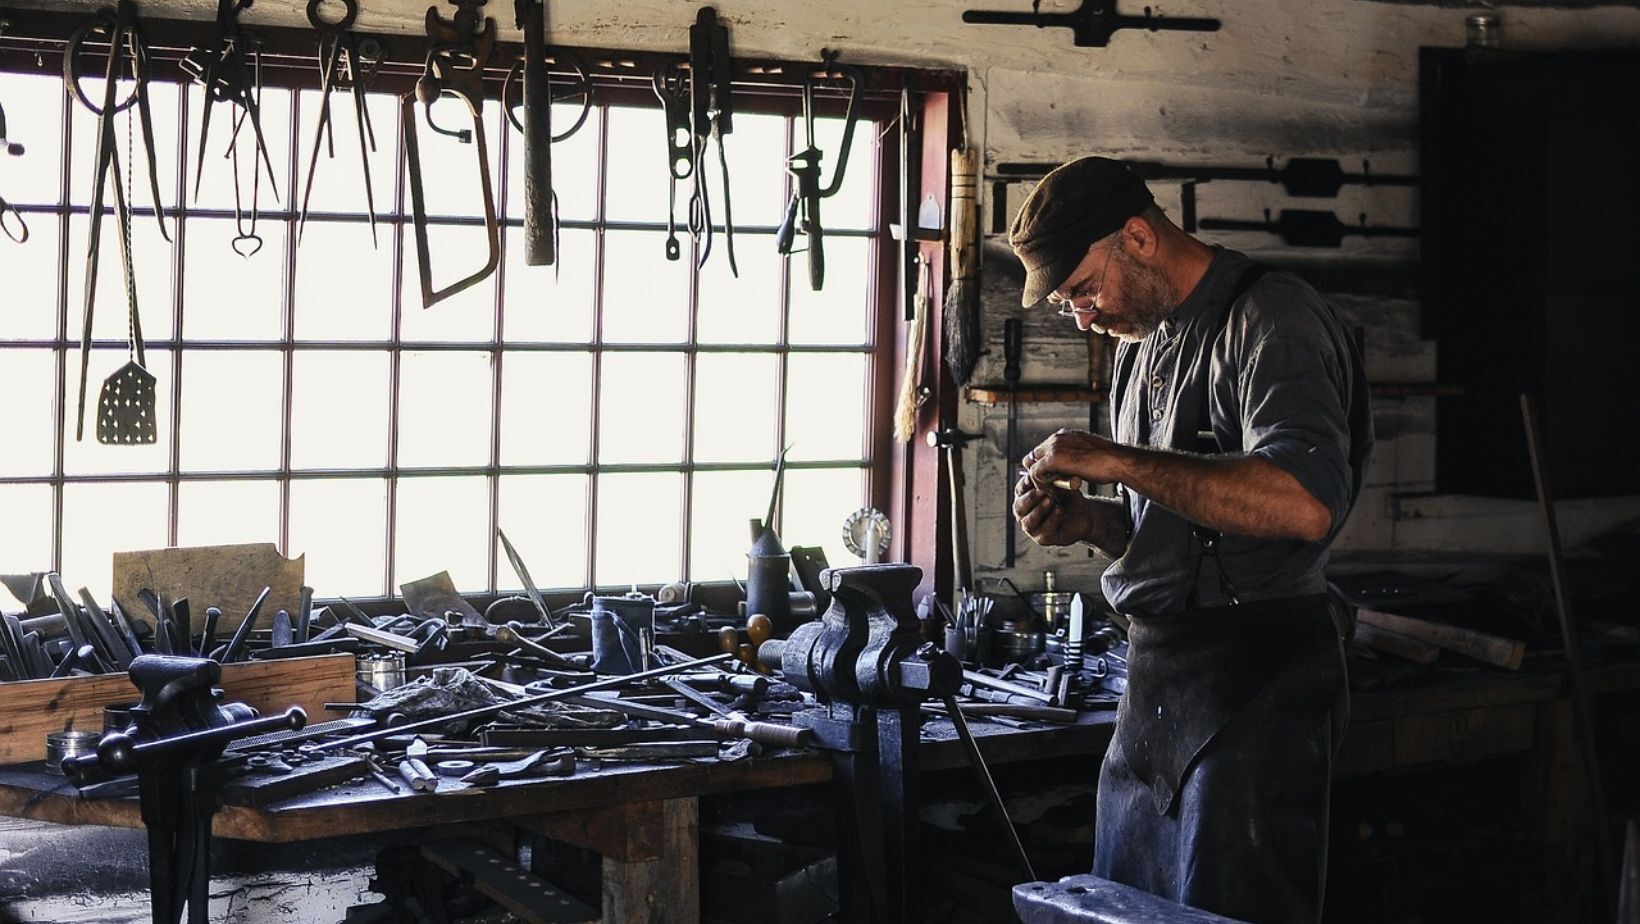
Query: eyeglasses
x=1088, y=288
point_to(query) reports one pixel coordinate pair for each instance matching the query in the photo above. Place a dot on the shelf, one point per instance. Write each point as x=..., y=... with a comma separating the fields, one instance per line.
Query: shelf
x=990, y=396
x=1034, y=394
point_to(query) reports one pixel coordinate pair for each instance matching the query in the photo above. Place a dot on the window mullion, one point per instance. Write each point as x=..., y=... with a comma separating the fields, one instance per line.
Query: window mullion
x=179, y=270
x=395, y=356
x=598, y=246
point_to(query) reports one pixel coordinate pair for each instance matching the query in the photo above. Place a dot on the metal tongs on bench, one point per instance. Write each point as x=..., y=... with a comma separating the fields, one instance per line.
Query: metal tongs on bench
x=803, y=211
x=457, y=52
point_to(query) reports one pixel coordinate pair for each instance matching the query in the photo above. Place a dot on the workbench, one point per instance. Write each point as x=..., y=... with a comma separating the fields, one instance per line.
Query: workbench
x=642, y=818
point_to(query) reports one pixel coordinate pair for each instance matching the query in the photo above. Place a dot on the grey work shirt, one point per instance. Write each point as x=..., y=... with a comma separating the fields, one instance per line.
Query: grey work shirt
x=1286, y=386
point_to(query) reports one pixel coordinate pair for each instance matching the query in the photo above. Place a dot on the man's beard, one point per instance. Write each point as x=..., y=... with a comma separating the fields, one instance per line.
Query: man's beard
x=1147, y=299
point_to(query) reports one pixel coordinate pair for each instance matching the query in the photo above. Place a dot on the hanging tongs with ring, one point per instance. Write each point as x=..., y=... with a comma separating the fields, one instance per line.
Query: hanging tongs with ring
x=125, y=48
x=457, y=52
x=803, y=211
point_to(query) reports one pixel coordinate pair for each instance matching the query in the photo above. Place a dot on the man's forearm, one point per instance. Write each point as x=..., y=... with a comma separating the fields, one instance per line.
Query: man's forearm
x=1108, y=527
x=1242, y=495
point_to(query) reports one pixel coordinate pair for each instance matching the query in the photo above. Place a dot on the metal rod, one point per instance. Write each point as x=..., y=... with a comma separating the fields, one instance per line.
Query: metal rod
x=1582, y=713
x=483, y=711
x=966, y=736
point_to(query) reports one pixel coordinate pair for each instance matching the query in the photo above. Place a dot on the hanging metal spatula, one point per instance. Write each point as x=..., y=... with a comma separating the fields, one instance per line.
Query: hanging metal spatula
x=128, y=402
x=126, y=407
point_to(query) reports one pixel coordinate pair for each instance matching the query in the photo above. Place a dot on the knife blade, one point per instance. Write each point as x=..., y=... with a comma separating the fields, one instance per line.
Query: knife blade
x=530, y=590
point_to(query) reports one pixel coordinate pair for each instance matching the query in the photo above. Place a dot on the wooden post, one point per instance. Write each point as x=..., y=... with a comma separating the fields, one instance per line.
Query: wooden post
x=664, y=890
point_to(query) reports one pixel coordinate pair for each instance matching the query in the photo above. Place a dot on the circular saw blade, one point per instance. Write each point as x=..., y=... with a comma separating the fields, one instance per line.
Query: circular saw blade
x=858, y=527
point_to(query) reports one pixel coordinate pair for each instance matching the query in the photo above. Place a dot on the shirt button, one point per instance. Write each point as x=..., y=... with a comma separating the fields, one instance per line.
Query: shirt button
x=1157, y=382
x=1156, y=413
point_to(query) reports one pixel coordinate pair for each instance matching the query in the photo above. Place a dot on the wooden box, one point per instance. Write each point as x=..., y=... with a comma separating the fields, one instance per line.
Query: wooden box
x=29, y=709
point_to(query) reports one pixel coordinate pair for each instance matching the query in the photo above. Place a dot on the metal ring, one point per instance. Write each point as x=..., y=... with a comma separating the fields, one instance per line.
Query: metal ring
x=452, y=767
x=71, y=72
x=581, y=87
x=350, y=13
x=15, y=228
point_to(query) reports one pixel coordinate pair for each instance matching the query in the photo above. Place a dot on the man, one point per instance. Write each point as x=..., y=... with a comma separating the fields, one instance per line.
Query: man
x=1241, y=436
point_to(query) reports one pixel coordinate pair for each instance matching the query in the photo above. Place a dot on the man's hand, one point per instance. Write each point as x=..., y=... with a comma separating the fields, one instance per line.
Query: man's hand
x=1073, y=454
x=1051, y=516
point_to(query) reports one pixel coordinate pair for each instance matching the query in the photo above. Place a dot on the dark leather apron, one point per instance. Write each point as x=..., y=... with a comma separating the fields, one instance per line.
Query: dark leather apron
x=1214, y=792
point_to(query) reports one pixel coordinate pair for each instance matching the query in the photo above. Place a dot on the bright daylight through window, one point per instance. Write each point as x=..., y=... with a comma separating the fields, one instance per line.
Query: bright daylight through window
x=617, y=415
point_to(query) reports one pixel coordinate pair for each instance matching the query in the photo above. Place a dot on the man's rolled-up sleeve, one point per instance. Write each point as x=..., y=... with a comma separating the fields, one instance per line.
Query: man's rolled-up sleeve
x=1294, y=396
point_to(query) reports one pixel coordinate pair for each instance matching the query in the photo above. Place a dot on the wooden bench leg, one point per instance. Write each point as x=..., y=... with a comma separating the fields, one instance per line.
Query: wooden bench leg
x=665, y=889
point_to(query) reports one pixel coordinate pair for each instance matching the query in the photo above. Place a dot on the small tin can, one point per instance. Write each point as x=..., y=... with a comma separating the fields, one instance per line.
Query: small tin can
x=384, y=671
x=64, y=744
x=1483, y=30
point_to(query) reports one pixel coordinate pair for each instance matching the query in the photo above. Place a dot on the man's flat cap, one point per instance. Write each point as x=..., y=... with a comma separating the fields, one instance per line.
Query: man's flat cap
x=1076, y=204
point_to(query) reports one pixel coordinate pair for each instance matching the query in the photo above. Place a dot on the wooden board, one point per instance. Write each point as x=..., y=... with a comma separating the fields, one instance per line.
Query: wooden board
x=1492, y=649
x=1418, y=652
x=226, y=576
x=36, y=707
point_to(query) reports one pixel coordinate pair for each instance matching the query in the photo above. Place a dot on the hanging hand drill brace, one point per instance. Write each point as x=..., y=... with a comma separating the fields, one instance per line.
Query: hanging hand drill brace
x=457, y=53
x=175, y=744
x=803, y=211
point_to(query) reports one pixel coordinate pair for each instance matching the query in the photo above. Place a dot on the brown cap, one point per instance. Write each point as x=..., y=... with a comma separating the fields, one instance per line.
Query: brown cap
x=1076, y=204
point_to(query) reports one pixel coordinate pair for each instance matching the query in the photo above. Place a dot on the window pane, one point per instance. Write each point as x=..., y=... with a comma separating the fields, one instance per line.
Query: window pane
x=341, y=526
x=226, y=296
x=757, y=172
x=151, y=265
x=816, y=503
x=344, y=289
x=216, y=187
x=743, y=310
x=456, y=251
x=338, y=181
x=735, y=405
x=574, y=165
x=28, y=379
x=640, y=418
x=637, y=169
x=444, y=409
x=31, y=273
x=101, y=519
x=855, y=203
x=550, y=304
x=231, y=410
x=227, y=512
x=25, y=542
x=825, y=405
x=639, y=528
x=546, y=408
x=720, y=537
x=838, y=313
x=327, y=433
x=646, y=296
x=89, y=457
x=450, y=178
x=162, y=103
x=544, y=517
x=34, y=119
x=443, y=524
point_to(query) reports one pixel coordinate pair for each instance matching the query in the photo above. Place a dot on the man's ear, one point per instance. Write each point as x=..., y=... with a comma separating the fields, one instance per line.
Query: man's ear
x=1141, y=236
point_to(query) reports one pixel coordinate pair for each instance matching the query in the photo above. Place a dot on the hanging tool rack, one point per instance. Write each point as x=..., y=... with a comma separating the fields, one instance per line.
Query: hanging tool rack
x=35, y=40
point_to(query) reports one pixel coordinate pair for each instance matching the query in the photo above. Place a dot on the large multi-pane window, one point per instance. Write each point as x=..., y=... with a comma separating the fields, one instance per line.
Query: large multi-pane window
x=617, y=414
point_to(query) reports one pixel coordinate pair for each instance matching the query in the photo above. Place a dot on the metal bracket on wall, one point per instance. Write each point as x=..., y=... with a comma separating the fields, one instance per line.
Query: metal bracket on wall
x=1093, y=23
x=1307, y=227
x=1305, y=177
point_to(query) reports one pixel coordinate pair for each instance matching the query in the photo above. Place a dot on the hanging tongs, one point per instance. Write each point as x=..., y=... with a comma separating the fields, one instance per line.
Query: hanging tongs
x=11, y=220
x=348, y=62
x=457, y=51
x=696, y=100
x=803, y=211
x=228, y=71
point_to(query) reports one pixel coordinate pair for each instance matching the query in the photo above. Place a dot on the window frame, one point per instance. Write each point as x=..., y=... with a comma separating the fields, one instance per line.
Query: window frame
x=769, y=87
